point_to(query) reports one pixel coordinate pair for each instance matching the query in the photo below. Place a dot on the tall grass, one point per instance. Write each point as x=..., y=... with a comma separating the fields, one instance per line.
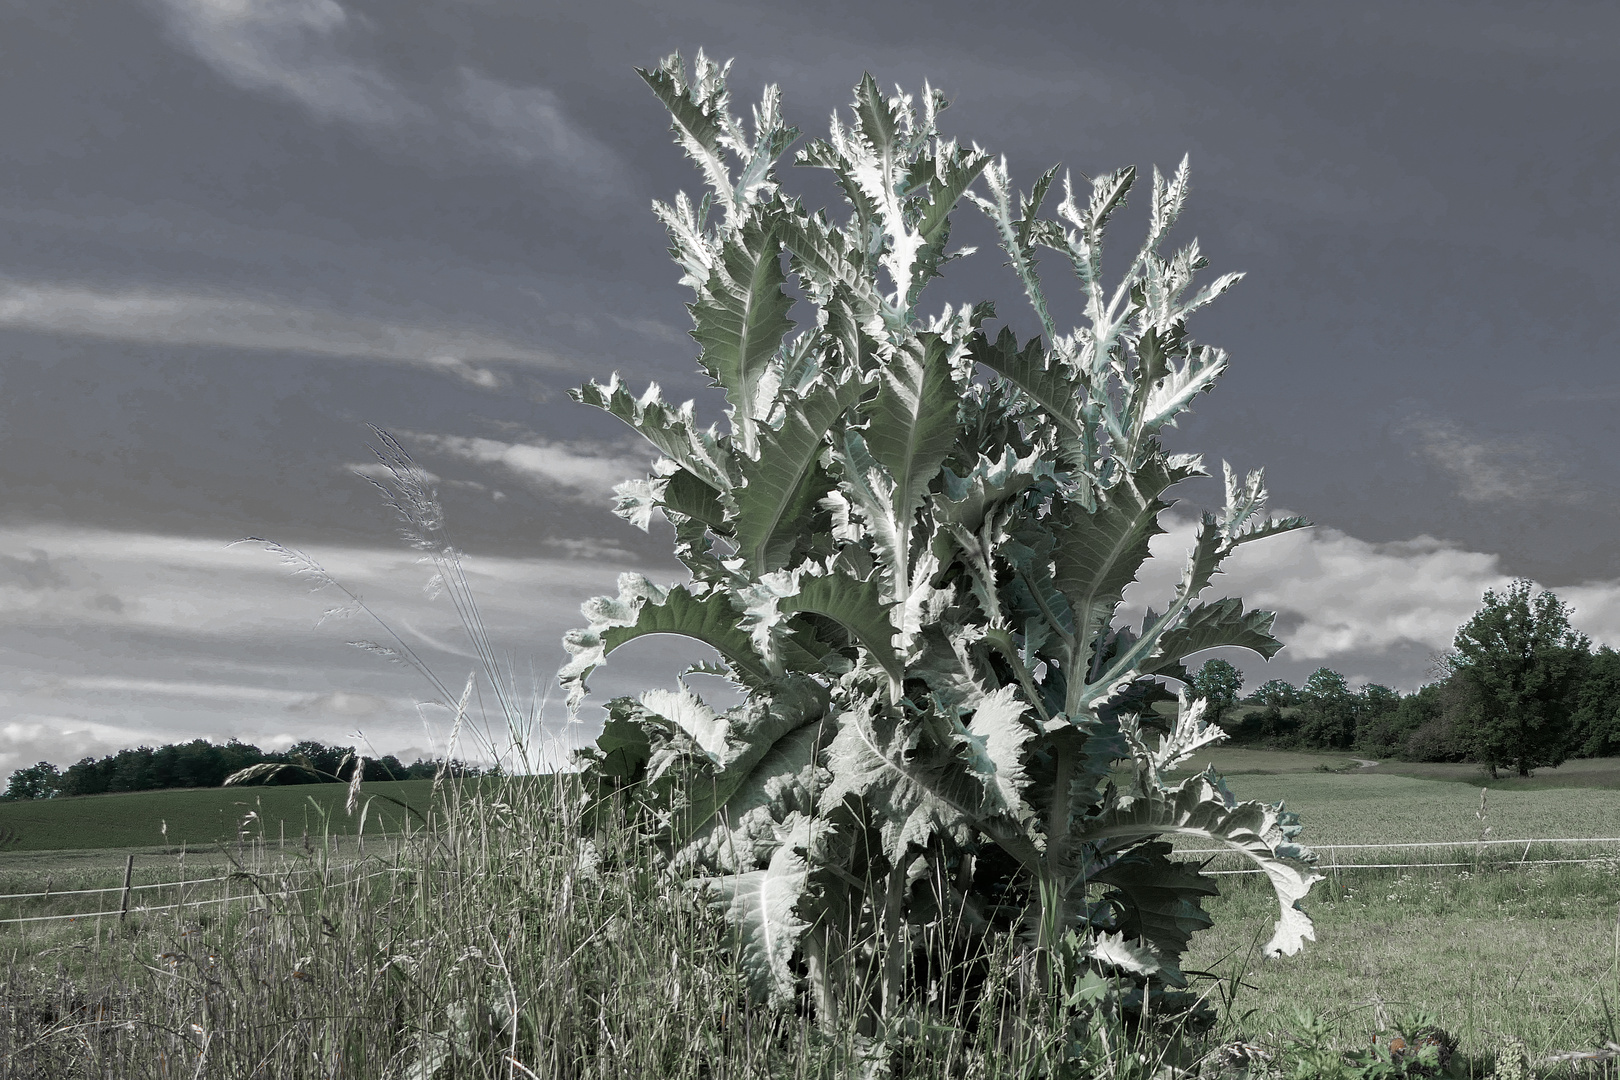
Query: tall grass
x=511, y=939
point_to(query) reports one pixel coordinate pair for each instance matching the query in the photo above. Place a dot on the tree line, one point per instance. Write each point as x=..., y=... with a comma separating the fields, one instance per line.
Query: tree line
x=1519, y=690
x=202, y=764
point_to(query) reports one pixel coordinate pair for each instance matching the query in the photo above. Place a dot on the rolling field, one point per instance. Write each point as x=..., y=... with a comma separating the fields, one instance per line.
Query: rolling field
x=1429, y=802
x=202, y=817
x=1499, y=948
x=1502, y=949
x=1367, y=808
x=1394, y=802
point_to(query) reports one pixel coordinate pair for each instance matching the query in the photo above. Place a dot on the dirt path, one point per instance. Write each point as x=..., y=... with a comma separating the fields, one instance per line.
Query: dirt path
x=1363, y=762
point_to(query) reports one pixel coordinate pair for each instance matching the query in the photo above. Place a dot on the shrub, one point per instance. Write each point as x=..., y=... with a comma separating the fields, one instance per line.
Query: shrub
x=915, y=577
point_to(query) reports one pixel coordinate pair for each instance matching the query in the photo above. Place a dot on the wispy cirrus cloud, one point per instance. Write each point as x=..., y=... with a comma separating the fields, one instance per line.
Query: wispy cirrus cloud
x=530, y=125
x=173, y=317
x=310, y=52
x=552, y=465
x=293, y=49
x=1492, y=468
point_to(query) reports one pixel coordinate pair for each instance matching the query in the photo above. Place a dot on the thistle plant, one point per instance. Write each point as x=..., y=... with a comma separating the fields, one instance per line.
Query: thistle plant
x=909, y=546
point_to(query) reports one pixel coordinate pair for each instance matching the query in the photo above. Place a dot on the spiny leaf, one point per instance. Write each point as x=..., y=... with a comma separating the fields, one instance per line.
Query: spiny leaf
x=870, y=490
x=761, y=908
x=911, y=423
x=1190, y=734
x=1131, y=957
x=687, y=711
x=766, y=744
x=859, y=608
x=699, y=114
x=1199, y=807
x=778, y=480
x=1016, y=235
x=887, y=770
x=741, y=321
x=642, y=608
x=1099, y=553
x=1158, y=898
x=998, y=735
x=623, y=747
x=1059, y=392
x=684, y=493
x=673, y=431
x=1168, y=200
x=1223, y=622
x=1174, y=392
x=968, y=500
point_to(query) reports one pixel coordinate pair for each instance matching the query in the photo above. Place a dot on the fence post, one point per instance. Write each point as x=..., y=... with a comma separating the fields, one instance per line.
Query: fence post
x=129, y=869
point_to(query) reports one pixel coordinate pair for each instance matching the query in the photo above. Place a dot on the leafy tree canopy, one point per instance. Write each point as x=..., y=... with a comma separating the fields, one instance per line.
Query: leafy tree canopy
x=1276, y=693
x=1325, y=684
x=1597, y=707
x=41, y=781
x=1523, y=661
x=1219, y=683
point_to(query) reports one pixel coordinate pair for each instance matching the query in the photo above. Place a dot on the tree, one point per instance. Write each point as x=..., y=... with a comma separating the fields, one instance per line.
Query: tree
x=1324, y=683
x=1376, y=708
x=1596, y=723
x=1522, y=661
x=1275, y=693
x=1430, y=720
x=40, y=781
x=1327, y=711
x=909, y=547
x=1218, y=683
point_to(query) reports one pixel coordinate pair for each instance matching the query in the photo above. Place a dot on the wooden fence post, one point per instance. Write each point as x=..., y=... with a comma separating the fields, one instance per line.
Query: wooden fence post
x=129, y=869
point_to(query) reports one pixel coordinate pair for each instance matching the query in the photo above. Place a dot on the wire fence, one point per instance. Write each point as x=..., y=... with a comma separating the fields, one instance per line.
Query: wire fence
x=1333, y=867
x=1452, y=845
x=125, y=909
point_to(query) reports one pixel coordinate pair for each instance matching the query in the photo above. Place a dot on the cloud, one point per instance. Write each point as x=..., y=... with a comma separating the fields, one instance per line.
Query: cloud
x=61, y=739
x=1345, y=595
x=217, y=692
x=200, y=319
x=1374, y=611
x=33, y=572
x=1492, y=469
x=290, y=48
x=343, y=703
x=303, y=51
x=585, y=475
x=221, y=641
x=528, y=124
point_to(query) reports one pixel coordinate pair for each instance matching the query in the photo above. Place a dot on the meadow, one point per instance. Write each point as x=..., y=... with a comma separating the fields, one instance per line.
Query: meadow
x=503, y=939
x=1510, y=944
x=180, y=817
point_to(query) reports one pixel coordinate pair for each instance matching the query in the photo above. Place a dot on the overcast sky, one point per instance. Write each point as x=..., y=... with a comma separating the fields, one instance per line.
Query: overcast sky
x=235, y=232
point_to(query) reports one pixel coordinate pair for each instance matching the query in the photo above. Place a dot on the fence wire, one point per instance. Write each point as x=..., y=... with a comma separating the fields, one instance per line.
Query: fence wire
x=148, y=909
x=1331, y=868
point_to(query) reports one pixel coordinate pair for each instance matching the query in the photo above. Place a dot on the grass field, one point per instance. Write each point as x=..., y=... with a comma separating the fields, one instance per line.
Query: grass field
x=202, y=816
x=1388, y=803
x=1526, y=952
x=1496, y=949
